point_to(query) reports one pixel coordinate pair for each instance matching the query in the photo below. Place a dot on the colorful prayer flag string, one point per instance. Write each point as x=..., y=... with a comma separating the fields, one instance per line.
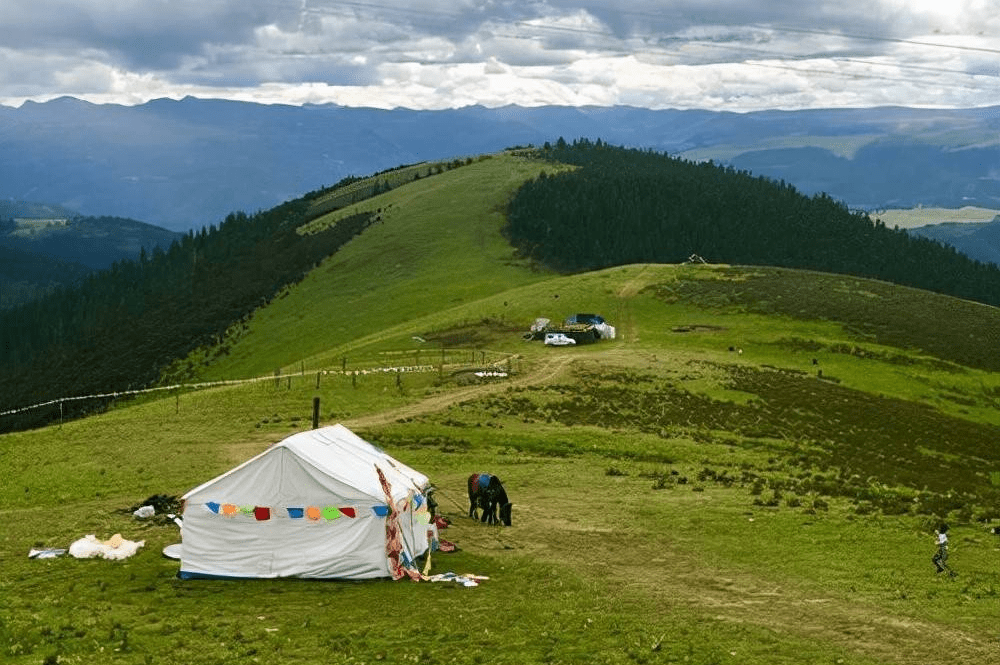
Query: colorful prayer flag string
x=313, y=513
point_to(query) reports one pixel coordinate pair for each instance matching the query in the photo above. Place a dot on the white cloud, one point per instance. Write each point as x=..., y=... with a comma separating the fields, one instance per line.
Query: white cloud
x=724, y=54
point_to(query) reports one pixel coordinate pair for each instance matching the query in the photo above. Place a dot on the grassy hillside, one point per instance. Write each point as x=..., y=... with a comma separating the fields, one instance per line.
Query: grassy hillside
x=750, y=473
x=438, y=245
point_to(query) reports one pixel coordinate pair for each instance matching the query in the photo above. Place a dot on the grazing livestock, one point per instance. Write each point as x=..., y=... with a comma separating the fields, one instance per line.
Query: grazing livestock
x=486, y=492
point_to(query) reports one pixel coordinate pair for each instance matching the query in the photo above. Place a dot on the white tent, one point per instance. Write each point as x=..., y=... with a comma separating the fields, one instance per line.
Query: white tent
x=313, y=505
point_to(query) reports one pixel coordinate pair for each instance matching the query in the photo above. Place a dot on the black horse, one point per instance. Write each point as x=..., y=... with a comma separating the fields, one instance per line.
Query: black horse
x=486, y=492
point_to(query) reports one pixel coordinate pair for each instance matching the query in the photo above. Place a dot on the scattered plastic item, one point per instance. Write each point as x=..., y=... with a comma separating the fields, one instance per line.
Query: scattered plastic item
x=115, y=547
x=177, y=520
x=46, y=553
x=173, y=551
x=144, y=512
x=163, y=503
x=540, y=325
x=468, y=580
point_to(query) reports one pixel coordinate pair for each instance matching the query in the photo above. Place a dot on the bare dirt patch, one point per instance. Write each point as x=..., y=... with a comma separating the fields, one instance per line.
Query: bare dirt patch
x=696, y=328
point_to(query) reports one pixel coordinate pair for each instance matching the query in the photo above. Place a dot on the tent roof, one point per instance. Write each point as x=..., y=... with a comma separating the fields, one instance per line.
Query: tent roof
x=336, y=458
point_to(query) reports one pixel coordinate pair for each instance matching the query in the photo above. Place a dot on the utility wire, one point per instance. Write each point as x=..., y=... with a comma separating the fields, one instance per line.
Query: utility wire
x=646, y=17
x=533, y=25
x=895, y=40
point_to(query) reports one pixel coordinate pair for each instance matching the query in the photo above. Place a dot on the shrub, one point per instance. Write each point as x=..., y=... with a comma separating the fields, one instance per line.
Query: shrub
x=864, y=508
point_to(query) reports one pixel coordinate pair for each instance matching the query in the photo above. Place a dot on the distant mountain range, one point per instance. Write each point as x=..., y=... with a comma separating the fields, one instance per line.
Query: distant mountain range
x=184, y=164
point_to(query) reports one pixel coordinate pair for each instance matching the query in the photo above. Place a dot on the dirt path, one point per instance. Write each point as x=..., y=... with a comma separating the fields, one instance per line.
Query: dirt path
x=546, y=371
x=630, y=288
x=628, y=332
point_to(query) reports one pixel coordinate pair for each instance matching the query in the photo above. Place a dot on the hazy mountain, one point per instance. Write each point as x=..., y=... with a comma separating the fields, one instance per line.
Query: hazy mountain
x=980, y=241
x=11, y=209
x=185, y=164
x=94, y=242
x=888, y=173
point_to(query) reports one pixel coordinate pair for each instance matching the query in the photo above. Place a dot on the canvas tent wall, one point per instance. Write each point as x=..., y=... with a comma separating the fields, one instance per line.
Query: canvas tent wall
x=310, y=506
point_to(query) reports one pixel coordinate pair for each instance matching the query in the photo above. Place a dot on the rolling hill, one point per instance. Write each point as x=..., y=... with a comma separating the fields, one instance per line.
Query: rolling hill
x=751, y=472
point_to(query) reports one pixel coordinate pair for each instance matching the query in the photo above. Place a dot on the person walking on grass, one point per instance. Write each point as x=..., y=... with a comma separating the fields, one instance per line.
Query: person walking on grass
x=940, y=557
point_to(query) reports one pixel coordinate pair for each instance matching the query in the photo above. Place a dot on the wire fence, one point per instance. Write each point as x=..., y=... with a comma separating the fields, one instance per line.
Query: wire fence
x=490, y=363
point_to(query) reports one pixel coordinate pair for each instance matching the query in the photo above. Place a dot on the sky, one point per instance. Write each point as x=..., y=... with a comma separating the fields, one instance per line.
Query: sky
x=735, y=55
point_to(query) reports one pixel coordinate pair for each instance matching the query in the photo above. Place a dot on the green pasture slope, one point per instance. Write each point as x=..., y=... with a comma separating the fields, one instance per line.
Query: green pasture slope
x=750, y=473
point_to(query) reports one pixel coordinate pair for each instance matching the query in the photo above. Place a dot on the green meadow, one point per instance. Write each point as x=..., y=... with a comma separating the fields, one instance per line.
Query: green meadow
x=751, y=472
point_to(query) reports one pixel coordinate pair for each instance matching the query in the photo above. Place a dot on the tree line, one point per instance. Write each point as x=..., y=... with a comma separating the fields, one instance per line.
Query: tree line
x=25, y=276
x=117, y=329
x=626, y=206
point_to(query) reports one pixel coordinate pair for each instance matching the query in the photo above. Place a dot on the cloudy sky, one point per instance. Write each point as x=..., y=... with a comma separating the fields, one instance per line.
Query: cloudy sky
x=735, y=55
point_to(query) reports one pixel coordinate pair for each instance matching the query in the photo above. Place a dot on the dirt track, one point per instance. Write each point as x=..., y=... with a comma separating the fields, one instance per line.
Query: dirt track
x=549, y=368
